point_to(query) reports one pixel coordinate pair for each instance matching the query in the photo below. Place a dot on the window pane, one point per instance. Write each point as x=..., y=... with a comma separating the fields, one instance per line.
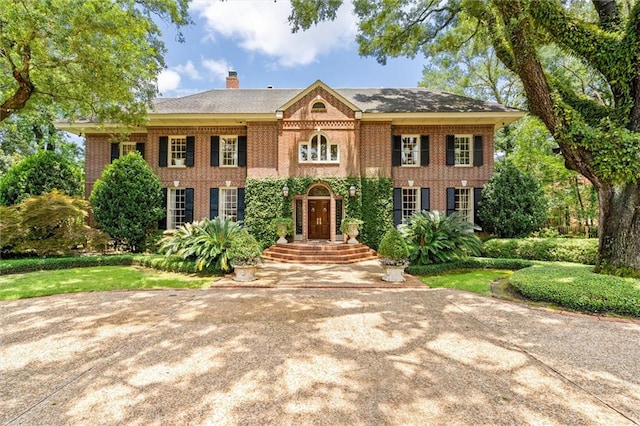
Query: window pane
x=298, y=217
x=229, y=150
x=462, y=150
x=176, y=208
x=229, y=203
x=314, y=149
x=334, y=152
x=410, y=151
x=464, y=203
x=323, y=148
x=178, y=148
x=409, y=202
x=127, y=147
x=304, y=152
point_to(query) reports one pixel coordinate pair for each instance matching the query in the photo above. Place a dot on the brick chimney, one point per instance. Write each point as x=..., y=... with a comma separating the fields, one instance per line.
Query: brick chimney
x=232, y=80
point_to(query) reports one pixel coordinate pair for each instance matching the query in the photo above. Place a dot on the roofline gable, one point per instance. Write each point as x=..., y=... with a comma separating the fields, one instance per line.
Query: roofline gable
x=321, y=84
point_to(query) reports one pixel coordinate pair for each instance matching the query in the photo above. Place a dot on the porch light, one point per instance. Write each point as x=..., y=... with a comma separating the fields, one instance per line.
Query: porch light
x=285, y=190
x=352, y=191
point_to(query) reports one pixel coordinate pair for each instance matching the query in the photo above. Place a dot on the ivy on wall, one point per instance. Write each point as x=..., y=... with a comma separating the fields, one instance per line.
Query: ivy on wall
x=373, y=203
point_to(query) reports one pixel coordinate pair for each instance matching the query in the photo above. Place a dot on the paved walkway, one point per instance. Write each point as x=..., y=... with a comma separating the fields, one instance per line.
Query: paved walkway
x=297, y=356
x=366, y=274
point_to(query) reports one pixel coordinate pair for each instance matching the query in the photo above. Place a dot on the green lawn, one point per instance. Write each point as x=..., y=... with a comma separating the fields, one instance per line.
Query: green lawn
x=104, y=278
x=475, y=280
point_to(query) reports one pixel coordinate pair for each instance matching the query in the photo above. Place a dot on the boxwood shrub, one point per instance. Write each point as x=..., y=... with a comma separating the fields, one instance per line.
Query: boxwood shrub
x=469, y=263
x=576, y=250
x=577, y=287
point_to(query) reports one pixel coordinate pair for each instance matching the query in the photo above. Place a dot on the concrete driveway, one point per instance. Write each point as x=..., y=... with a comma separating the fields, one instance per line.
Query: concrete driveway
x=311, y=356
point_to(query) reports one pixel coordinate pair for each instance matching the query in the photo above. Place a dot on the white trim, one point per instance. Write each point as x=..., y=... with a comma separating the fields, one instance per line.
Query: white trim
x=122, y=145
x=222, y=202
x=221, y=154
x=459, y=136
x=417, y=200
x=469, y=210
x=171, y=215
x=308, y=145
x=175, y=163
x=417, y=158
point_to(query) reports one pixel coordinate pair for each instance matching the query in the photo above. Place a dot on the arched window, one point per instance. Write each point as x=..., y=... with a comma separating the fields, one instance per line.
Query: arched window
x=318, y=150
x=318, y=107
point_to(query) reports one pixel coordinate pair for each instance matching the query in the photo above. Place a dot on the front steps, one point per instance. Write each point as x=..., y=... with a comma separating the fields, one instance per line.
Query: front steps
x=319, y=253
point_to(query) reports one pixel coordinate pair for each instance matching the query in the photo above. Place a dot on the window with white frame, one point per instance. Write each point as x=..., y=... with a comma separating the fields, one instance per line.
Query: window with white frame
x=229, y=151
x=462, y=150
x=318, y=150
x=177, y=151
x=410, y=150
x=464, y=203
x=176, y=207
x=410, y=202
x=127, y=147
x=228, y=203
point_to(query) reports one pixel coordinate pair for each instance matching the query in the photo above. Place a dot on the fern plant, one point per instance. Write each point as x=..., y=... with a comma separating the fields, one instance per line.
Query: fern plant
x=433, y=237
x=206, y=242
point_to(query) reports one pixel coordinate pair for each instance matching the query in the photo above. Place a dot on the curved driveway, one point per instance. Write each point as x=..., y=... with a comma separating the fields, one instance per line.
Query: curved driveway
x=311, y=356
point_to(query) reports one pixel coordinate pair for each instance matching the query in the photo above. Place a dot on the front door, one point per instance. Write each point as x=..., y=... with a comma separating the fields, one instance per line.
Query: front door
x=319, y=224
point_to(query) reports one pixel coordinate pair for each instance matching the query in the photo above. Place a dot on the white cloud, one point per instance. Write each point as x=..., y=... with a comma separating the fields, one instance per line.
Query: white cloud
x=262, y=27
x=168, y=80
x=218, y=68
x=189, y=70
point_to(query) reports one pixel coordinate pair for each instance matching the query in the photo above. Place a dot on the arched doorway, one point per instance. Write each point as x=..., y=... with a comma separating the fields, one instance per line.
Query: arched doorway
x=319, y=213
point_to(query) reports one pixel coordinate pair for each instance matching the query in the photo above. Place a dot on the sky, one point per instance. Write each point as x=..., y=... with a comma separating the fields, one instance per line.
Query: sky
x=253, y=38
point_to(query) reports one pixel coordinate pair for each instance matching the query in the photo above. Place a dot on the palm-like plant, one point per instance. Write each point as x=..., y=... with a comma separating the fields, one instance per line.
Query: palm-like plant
x=434, y=237
x=206, y=241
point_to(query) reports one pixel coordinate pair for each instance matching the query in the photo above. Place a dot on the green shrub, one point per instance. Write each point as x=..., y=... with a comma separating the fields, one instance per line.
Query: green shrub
x=468, y=263
x=206, y=242
x=574, y=250
x=172, y=264
x=11, y=231
x=377, y=210
x=283, y=223
x=393, y=248
x=19, y=266
x=435, y=238
x=244, y=250
x=127, y=201
x=577, y=287
x=39, y=174
x=513, y=204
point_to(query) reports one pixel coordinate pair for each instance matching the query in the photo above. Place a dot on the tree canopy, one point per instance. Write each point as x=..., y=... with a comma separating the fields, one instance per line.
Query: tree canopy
x=598, y=133
x=92, y=59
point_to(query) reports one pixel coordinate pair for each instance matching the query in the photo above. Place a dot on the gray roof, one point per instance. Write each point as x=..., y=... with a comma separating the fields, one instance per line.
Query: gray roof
x=374, y=100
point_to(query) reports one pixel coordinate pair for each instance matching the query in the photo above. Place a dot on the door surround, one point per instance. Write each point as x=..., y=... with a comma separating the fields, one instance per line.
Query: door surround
x=318, y=193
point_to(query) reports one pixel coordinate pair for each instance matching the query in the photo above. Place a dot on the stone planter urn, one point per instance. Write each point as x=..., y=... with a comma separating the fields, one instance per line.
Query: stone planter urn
x=350, y=227
x=244, y=273
x=394, y=274
x=282, y=230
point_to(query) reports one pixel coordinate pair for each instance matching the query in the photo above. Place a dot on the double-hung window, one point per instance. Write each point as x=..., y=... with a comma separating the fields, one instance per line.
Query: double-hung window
x=464, y=203
x=410, y=202
x=127, y=147
x=177, y=151
x=176, y=208
x=229, y=151
x=318, y=150
x=462, y=150
x=229, y=203
x=410, y=151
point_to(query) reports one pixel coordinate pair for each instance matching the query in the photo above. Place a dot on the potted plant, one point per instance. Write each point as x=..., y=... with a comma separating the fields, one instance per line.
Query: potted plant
x=284, y=227
x=350, y=226
x=244, y=253
x=394, y=255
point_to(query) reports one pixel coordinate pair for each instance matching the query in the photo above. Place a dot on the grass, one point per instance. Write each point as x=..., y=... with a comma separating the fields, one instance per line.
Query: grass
x=103, y=278
x=474, y=280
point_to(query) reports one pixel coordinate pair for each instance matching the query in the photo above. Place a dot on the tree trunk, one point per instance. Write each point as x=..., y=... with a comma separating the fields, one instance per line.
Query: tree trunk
x=619, y=227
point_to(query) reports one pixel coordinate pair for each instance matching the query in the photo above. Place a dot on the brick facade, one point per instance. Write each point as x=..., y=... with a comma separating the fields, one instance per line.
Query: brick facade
x=364, y=143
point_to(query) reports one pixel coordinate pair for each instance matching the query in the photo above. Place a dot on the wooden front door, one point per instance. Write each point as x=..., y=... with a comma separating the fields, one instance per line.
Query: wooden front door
x=319, y=220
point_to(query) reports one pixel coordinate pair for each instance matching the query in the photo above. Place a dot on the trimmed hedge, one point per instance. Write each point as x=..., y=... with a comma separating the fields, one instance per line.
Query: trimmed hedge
x=575, y=250
x=470, y=263
x=577, y=287
x=163, y=263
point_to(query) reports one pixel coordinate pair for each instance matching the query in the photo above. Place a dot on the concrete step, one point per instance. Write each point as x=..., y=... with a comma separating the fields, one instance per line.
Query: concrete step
x=319, y=253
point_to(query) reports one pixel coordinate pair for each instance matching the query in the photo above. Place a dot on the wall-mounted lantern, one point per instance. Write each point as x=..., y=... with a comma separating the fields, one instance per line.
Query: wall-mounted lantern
x=352, y=191
x=285, y=190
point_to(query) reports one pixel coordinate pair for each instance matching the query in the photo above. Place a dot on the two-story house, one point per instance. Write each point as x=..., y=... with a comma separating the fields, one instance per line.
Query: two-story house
x=437, y=148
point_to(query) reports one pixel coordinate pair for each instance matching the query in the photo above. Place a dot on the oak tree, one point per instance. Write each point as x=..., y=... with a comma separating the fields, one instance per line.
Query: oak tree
x=599, y=136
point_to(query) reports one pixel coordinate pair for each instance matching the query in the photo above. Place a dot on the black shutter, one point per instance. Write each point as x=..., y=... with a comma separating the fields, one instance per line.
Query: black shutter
x=477, y=196
x=477, y=150
x=451, y=150
x=242, y=151
x=140, y=148
x=425, y=199
x=213, y=203
x=240, y=204
x=164, y=151
x=188, y=205
x=215, y=150
x=451, y=200
x=191, y=142
x=397, y=206
x=115, y=151
x=162, y=223
x=424, y=150
x=396, y=150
